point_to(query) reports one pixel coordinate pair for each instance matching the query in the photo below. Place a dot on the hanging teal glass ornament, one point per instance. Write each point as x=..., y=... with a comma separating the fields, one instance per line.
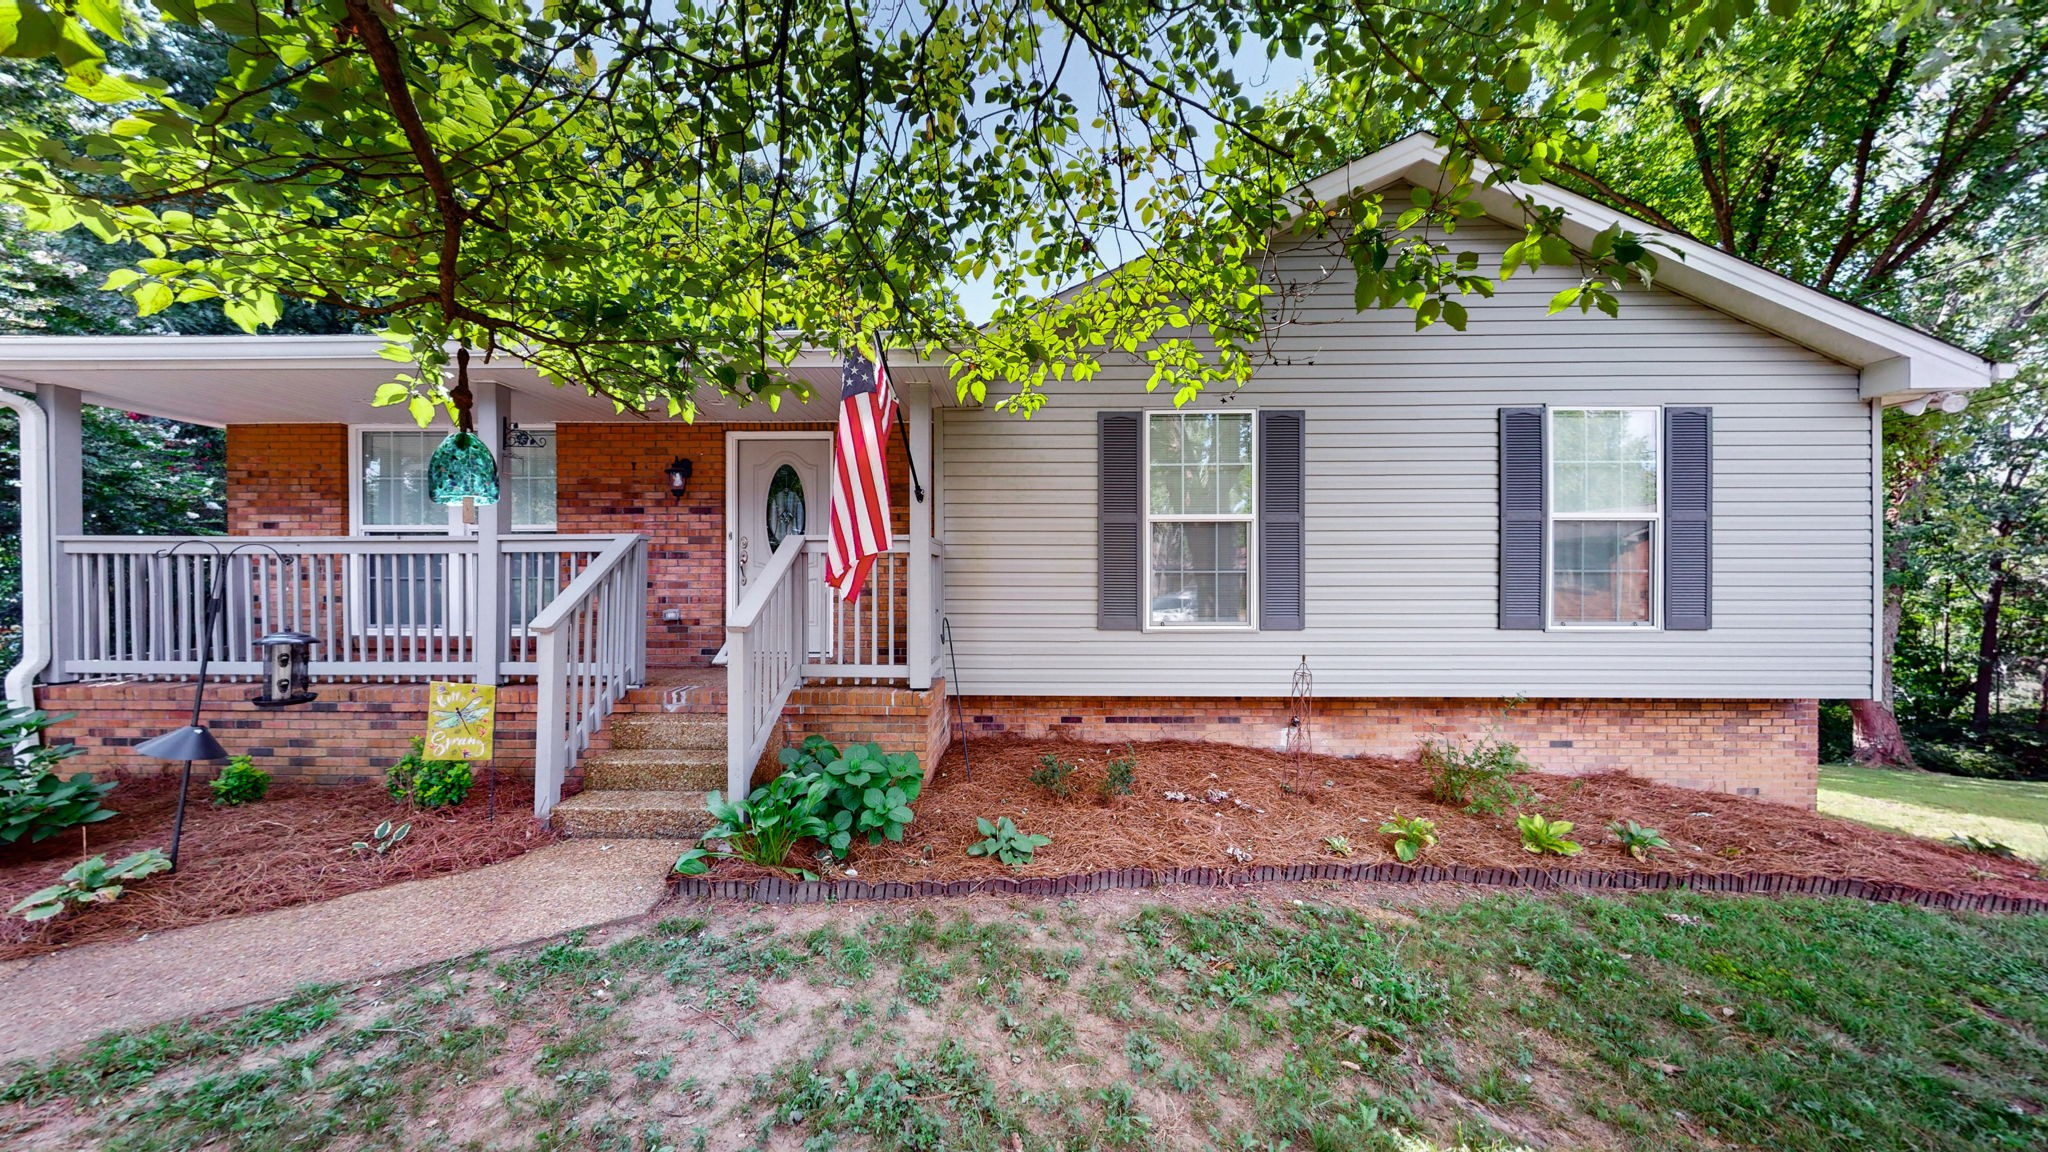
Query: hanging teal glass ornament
x=462, y=467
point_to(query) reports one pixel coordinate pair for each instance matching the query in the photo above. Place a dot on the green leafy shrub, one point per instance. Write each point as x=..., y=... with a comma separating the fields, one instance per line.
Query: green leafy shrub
x=1413, y=835
x=92, y=881
x=1640, y=842
x=870, y=794
x=36, y=802
x=764, y=828
x=1006, y=842
x=1054, y=775
x=1478, y=778
x=1984, y=846
x=383, y=838
x=241, y=782
x=1541, y=835
x=425, y=783
x=1120, y=778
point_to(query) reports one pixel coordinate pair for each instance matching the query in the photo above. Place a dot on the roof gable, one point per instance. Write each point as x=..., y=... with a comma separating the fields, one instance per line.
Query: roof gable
x=1897, y=361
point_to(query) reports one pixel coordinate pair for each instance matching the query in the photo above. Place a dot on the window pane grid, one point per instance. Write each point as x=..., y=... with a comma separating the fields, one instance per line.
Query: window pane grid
x=1200, y=480
x=1605, y=510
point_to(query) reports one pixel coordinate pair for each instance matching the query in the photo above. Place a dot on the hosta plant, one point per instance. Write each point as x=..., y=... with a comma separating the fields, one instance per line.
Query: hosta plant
x=1636, y=840
x=383, y=838
x=92, y=881
x=35, y=802
x=871, y=790
x=1540, y=836
x=1337, y=845
x=763, y=828
x=1006, y=842
x=1413, y=835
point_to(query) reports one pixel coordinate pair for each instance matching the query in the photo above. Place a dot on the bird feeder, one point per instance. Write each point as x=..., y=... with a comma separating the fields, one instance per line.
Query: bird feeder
x=287, y=670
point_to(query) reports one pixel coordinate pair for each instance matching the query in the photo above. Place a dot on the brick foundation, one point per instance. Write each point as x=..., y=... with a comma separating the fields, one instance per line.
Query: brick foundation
x=899, y=719
x=1763, y=748
x=352, y=733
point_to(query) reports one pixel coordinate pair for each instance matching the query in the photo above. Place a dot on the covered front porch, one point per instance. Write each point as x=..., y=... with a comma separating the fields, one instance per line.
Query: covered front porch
x=597, y=585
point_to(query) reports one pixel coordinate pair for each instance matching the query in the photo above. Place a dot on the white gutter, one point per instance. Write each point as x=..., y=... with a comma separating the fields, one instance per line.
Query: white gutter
x=34, y=491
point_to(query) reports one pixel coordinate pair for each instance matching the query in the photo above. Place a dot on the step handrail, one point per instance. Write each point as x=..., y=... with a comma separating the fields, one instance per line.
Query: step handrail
x=592, y=645
x=767, y=641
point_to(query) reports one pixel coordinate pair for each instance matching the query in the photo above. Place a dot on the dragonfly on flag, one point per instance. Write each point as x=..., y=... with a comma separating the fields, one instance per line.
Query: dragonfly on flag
x=860, y=521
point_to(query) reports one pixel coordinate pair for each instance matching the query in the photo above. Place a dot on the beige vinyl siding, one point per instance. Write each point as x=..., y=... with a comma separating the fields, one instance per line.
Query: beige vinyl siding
x=1402, y=525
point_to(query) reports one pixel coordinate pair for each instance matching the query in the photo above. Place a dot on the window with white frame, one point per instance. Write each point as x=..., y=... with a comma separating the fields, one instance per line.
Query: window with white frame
x=1605, y=517
x=1201, y=479
x=392, y=495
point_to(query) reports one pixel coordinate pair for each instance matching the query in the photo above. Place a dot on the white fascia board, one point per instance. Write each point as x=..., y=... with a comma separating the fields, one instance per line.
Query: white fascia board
x=1807, y=317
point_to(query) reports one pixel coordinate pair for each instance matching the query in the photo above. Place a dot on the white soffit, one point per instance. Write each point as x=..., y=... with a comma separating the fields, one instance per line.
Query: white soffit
x=1905, y=360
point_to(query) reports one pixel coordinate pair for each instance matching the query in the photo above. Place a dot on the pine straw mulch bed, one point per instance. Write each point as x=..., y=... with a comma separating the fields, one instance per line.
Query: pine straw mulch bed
x=1268, y=824
x=291, y=847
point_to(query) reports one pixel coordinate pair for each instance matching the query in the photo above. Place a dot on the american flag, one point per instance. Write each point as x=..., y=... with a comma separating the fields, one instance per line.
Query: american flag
x=860, y=475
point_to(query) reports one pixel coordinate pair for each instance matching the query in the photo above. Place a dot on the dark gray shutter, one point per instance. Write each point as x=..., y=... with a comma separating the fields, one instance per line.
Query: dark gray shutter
x=1281, y=483
x=1119, y=483
x=1522, y=460
x=1688, y=519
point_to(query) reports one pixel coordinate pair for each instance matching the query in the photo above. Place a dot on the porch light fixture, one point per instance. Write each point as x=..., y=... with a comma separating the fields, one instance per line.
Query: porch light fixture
x=287, y=675
x=678, y=477
x=462, y=467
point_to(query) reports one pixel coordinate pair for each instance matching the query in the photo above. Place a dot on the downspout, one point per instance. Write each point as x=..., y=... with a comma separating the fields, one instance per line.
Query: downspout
x=34, y=491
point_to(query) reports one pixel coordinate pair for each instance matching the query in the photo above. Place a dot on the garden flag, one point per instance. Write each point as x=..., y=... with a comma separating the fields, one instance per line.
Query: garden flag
x=860, y=528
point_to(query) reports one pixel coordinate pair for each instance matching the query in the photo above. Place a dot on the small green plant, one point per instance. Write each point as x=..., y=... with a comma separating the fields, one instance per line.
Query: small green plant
x=92, y=881
x=1054, y=775
x=1640, y=842
x=383, y=838
x=763, y=828
x=36, y=802
x=1413, y=835
x=871, y=790
x=1984, y=846
x=1006, y=842
x=1477, y=778
x=1540, y=835
x=425, y=783
x=1337, y=845
x=241, y=782
x=1121, y=775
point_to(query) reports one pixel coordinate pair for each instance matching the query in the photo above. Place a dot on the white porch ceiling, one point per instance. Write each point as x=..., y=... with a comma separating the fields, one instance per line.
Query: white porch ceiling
x=331, y=379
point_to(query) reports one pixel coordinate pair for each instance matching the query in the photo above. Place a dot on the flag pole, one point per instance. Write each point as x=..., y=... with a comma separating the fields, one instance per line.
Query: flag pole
x=902, y=426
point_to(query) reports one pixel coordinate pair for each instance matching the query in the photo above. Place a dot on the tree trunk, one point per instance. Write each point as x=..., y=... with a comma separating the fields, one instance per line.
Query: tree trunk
x=1878, y=739
x=1987, y=647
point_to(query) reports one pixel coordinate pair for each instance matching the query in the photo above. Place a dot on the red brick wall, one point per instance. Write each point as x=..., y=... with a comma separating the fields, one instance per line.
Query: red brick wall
x=613, y=478
x=287, y=479
x=351, y=733
x=899, y=719
x=1763, y=748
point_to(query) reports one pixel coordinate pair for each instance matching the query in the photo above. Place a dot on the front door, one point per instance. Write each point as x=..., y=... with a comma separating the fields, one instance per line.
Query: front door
x=780, y=489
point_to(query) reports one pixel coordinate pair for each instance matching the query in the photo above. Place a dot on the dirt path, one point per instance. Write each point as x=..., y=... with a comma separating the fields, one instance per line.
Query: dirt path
x=75, y=995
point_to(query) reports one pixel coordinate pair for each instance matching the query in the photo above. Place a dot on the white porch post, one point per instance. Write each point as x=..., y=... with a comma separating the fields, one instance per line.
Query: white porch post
x=493, y=413
x=917, y=409
x=65, y=409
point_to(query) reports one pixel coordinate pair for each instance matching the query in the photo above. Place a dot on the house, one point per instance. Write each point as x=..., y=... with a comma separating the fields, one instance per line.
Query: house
x=1660, y=532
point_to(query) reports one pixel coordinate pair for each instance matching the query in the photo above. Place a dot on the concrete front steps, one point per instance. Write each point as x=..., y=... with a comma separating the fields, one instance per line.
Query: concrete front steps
x=651, y=780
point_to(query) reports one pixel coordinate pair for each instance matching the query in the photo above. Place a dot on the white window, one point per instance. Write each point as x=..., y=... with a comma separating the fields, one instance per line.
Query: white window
x=392, y=495
x=1606, y=506
x=1201, y=482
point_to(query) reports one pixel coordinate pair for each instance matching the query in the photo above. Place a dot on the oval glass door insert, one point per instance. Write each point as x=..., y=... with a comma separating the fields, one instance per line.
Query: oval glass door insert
x=785, y=506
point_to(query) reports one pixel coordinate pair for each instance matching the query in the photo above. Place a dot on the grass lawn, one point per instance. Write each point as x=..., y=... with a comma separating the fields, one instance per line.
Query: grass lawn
x=1348, y=1019
x=2011, y=812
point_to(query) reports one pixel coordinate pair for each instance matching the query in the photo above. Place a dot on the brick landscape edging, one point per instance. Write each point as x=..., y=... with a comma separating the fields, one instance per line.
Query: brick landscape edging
x=772, y=890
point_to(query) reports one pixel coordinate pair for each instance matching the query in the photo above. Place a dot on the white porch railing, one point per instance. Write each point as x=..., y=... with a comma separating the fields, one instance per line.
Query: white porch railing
x=591, y=646
x=767, y=640
x=377, y=608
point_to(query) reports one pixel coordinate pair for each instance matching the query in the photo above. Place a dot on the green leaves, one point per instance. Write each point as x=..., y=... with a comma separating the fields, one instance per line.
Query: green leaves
x=869, y=790
x=1004, y=841
x=90, y=881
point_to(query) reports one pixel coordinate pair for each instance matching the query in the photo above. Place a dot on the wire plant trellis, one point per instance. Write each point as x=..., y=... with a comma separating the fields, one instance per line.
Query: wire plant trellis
x=1299, y=741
